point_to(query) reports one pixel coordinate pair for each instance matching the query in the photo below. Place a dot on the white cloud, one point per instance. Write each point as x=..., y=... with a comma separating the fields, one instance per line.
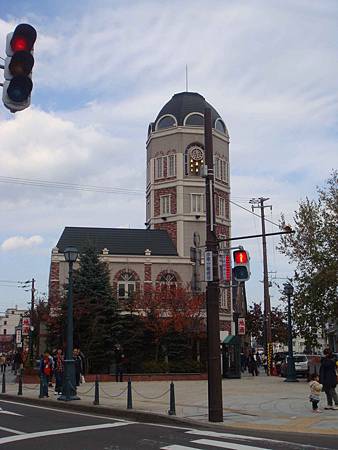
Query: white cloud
x=103, y=73
x=20, y=242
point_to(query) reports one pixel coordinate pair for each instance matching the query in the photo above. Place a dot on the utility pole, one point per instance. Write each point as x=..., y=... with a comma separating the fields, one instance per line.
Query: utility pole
x=259, y=202
x=31, y=323
x=215, y=404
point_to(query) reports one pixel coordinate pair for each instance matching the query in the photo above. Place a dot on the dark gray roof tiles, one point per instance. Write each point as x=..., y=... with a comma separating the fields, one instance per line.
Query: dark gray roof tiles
x=118, y=241
x=183, y=103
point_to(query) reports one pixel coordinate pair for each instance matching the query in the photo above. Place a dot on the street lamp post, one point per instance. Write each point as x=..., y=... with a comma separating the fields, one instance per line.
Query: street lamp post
x=290, y=367
x=69, y=384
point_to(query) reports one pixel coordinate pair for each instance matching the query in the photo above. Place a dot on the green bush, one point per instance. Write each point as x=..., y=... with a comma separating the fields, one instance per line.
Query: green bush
x=184, y=366
x=155, y=367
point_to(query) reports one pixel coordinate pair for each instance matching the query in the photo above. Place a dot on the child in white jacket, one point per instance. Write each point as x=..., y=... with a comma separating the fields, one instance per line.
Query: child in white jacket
x=315, y=389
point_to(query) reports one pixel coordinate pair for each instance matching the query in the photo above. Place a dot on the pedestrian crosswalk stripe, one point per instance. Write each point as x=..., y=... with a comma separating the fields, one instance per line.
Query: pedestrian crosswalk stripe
x=10, y=413
x=229, y=445
x=179, y=447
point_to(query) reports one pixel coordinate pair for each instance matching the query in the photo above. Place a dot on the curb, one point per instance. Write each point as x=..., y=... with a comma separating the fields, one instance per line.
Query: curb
x=156, y=418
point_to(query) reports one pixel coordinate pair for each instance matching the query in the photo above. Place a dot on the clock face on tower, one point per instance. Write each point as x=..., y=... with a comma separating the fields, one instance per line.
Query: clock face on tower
x=196, y=154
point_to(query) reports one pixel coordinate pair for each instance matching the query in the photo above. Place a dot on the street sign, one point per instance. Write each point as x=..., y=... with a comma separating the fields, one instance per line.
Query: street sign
x=241, y=326
x=18, y=336
x=209, y=275
x=25, y=326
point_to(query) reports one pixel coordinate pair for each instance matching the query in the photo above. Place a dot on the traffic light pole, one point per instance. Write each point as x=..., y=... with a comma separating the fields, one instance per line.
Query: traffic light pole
x=31, y=324
x=215, y=404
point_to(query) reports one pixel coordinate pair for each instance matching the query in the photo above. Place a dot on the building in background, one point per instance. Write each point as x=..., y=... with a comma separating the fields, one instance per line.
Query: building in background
x=9, y=320
x=175, y=211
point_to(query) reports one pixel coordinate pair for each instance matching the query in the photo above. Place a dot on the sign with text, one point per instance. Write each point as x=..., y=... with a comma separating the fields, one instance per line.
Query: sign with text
x=25, y=326
x=18, y=336
x=241, y=326
x=209, y=275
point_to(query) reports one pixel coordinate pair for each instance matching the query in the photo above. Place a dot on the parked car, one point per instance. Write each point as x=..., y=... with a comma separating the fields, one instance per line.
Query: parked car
x=301, y=365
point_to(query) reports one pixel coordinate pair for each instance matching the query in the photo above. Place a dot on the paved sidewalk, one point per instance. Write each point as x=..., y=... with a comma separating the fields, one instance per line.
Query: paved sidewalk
x=264, y=403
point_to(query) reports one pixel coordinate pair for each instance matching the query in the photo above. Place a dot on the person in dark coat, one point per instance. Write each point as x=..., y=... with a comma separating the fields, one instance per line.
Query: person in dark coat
x=252, y=364
x=328, y=378
x=78, y=366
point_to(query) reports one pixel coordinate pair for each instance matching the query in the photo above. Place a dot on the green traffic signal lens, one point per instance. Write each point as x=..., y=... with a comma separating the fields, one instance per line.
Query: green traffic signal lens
x=241, y=273
x=19, y=89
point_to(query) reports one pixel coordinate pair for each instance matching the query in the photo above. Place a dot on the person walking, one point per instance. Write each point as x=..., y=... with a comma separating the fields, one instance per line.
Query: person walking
x=315, y=390
x=78, y=366
x=328, y=378
x=58, y=371
x=46, y=370
x=252, y=364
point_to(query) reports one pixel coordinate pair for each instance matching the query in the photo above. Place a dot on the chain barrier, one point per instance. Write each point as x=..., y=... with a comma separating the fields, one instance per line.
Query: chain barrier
x=151, y=398
x=111, y=395
x=86, y=392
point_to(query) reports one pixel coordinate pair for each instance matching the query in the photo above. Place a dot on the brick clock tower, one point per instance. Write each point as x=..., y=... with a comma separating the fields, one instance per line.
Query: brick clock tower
x=175, y=156
x=175, y=193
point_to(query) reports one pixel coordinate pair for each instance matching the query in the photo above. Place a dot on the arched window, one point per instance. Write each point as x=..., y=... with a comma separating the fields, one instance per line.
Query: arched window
x=220, y=126
x=126, y=284
x=194, y=120
x=194, y=160
x=166, y=122
x=168, y=280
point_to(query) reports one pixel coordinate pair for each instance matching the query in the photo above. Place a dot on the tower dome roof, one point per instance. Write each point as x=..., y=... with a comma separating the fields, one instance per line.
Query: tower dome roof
x=185, y=103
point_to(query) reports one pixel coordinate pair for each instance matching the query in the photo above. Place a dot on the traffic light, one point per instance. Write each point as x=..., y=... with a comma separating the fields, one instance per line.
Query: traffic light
x=18, y=84
x=241, y=269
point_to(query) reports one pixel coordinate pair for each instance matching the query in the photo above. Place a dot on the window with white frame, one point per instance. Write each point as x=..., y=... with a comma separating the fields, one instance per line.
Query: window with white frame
x=159, y=167
x=196, y=203
x=125, y=286
x=221, y=168
x=221, y=206
x=222, y=244
x=171, y=166
x=165, y=204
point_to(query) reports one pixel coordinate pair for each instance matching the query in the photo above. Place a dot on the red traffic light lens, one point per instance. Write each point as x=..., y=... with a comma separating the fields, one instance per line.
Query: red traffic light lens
x=241, y=257
x=23, y=38
x=19, y=43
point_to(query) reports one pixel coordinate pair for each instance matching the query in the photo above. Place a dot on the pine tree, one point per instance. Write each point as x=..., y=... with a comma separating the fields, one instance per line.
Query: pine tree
x=94, y=310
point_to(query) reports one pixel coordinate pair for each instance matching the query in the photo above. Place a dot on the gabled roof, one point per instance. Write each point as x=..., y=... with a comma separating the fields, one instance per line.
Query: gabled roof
x=119, y=241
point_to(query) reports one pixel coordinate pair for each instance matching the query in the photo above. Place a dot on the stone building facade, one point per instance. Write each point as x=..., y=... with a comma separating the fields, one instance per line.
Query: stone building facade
x=175, y=210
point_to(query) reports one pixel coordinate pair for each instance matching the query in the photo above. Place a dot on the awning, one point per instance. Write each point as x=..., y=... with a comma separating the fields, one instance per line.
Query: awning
x=229, y=339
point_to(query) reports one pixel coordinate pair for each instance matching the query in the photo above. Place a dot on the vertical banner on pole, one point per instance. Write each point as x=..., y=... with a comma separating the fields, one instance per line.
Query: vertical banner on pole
x=270, y=356
x=209, y=273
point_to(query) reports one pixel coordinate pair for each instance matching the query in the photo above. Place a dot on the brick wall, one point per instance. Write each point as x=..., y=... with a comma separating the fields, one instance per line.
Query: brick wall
x=171, y=227
x=173, y=201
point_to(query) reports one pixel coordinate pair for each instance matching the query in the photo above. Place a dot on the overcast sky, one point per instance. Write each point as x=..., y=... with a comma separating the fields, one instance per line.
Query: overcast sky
x=103, y=71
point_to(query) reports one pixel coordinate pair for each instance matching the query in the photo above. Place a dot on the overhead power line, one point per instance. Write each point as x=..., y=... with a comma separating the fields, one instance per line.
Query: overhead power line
x=72, y=186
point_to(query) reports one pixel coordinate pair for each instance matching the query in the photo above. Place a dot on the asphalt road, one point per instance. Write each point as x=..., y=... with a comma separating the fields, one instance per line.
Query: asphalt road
x=28, y=427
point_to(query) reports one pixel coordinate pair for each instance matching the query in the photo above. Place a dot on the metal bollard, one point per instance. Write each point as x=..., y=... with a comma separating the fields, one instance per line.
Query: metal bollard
x=129, y=396
x=97, y=392
x=41, y=388
x=20, y=382
x=172, y=407
x=3, y=391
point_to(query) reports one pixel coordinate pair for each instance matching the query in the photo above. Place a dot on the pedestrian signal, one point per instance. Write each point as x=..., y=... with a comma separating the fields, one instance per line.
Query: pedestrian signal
x=241, y=269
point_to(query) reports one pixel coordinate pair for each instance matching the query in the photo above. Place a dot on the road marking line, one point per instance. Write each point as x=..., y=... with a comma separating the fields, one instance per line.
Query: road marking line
x=179, y=447
x=28, y=405
x=39, y=434
x=229, y=445
x=10, y=430
x=2, y=411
